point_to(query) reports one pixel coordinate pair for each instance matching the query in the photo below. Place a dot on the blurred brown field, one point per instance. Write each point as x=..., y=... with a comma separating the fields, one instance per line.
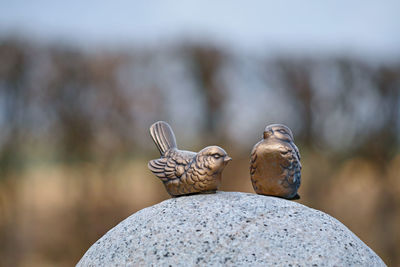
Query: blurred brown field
x=74, y=145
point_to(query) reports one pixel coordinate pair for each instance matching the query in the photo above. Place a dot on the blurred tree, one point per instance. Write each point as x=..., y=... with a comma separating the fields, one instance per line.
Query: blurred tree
x=14, y=97
x=295, y=77
x=207, y=62
x=383, y=143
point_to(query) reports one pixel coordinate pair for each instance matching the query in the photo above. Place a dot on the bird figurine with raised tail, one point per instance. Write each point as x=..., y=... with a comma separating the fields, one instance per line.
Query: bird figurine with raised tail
x=275, y=167
x=186, y=172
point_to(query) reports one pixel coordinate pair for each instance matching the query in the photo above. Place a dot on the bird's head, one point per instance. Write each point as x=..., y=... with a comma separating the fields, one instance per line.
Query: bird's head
x=213, y=158
x=278, y=131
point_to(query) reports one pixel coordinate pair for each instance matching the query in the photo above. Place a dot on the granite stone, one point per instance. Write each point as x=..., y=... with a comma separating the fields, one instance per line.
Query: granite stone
x=229, y=229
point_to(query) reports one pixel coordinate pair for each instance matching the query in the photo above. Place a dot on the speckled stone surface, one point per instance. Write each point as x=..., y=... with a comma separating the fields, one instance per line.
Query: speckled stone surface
x=229, y=228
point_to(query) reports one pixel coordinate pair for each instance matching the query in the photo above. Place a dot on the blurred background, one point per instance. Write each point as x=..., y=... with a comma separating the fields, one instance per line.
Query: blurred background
x=82, y=81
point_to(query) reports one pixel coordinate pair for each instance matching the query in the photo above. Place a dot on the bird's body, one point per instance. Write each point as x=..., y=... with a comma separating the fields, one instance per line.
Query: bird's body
x=275, y=167
x=186, y=172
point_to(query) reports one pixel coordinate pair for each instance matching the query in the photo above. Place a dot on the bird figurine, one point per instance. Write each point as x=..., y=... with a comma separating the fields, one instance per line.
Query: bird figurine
x=185, y=172
x=275, y=167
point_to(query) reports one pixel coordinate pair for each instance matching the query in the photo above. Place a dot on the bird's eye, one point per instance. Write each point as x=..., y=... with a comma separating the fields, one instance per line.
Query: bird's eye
x=216, y=156
x=282, y=131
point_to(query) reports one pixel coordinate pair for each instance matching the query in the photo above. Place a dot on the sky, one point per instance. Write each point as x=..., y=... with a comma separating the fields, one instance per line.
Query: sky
x=359, y=26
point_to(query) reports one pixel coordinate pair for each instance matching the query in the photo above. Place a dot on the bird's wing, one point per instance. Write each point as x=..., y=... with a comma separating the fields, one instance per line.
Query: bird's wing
x=288, y=156
x=195, y=176
x=158, y=167
x=182, y=156
x=253, y=159
x=296, y=150
x=170, y=167
x=290, y=164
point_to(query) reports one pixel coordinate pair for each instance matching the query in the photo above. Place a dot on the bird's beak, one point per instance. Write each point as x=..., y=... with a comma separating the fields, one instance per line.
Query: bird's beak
x=227, y=159
x=268, y=133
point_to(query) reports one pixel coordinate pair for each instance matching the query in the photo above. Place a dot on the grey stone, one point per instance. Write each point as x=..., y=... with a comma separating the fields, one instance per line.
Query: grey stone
x=229, y=228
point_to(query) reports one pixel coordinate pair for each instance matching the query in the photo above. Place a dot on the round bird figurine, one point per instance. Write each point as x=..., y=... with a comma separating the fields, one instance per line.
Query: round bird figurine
x=186, y=172
x=275, y=167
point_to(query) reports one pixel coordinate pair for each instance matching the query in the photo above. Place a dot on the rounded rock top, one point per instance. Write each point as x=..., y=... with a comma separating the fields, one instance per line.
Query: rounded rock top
x=229, y=229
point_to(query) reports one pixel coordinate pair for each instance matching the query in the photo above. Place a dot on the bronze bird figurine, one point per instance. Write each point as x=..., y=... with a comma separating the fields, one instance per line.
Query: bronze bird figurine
x=185, y=172
x=275, y=167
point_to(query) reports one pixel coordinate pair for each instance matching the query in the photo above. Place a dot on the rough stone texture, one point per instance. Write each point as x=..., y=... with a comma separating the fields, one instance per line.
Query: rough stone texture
x=230, y=228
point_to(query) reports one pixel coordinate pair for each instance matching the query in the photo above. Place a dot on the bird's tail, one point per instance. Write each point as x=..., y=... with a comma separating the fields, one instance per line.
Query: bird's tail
x=163, y=136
